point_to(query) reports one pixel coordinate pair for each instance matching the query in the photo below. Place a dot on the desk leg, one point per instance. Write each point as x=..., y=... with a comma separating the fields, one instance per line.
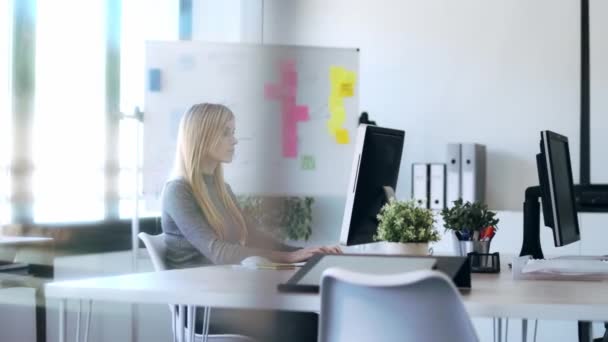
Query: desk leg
x=585, y=331
x=174, y=312
x=78, y=320
x=206, y=324
x=524, y=330
x=88, y=322
x=40, y=316
x=191, y=322
x=182, y=323
x=499, y=329
x=62, y=319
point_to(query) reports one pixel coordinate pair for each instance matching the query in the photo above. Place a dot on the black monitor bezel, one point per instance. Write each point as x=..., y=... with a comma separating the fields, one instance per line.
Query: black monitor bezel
x=365, y=131
x=547, y=140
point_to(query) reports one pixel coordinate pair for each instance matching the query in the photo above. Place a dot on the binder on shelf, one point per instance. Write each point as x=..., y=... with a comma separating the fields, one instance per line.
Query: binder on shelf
x=453, y=174
x=473, y=161
x=437, y=186
x=420, y=184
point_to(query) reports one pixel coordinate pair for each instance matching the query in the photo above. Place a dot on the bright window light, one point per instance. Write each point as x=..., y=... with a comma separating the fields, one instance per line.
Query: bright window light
x=160, y=22
x=69, y=123
x=6, y=24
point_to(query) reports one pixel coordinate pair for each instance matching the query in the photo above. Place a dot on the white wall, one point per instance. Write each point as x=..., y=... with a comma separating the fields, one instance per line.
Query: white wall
x=217, y=21
x=227, y=21
x=490, y=72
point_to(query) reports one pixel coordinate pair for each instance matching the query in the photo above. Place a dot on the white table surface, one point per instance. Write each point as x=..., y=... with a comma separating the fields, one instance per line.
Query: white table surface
x=236, y=287
x=21, y=240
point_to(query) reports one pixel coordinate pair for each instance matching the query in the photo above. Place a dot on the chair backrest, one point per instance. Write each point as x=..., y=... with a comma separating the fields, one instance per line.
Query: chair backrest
x=155, y=244
x=156, y=247
x=414, y=306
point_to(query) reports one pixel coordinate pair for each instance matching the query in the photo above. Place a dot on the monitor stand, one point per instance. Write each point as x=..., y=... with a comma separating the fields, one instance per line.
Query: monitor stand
x=531, y=239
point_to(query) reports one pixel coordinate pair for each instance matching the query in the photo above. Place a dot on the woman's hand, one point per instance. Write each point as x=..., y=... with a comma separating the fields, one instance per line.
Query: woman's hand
x=306, y=253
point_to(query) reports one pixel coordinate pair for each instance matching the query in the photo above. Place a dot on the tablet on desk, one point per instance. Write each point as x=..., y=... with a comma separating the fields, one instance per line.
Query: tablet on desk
x=308, y=278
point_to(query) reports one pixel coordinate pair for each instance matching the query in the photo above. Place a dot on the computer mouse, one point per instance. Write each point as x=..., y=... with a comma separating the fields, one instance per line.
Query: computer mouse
x=255, y=261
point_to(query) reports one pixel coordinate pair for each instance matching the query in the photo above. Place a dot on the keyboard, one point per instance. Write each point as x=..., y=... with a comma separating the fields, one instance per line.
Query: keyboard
x=567, y=266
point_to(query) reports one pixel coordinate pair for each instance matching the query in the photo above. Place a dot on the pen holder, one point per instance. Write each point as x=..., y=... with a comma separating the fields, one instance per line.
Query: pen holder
x=484, y=262
x=463, y=248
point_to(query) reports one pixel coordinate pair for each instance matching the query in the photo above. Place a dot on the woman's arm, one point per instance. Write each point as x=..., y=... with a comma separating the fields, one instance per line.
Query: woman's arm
x=257, y=238
x=179, y=203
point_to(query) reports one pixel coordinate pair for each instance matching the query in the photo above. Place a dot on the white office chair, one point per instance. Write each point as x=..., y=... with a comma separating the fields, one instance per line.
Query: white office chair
x=414, y=306
x=156, y=247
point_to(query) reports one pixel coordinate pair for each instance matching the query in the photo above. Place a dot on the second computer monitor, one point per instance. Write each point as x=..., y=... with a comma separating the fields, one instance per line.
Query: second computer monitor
x=375, y=166
x=557, y=189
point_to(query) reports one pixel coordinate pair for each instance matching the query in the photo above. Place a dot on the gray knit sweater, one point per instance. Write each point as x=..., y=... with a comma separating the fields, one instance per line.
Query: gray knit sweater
x=190, y=239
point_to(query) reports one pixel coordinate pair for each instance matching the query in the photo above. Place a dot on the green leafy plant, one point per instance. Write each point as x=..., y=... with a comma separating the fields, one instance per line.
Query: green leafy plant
x=405, y=222
x=283, y=217
x=468, y=216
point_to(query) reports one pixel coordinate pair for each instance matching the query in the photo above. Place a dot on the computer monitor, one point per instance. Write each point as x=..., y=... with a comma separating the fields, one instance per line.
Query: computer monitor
x=557, y=188
x=373, y=178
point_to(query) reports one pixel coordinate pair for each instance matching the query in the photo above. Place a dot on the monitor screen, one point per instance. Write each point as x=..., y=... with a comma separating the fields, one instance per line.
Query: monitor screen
x=559, y=206
x=375, y=166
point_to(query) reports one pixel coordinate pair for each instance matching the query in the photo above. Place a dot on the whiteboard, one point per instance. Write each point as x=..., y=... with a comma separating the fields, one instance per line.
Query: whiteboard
x=271, y=157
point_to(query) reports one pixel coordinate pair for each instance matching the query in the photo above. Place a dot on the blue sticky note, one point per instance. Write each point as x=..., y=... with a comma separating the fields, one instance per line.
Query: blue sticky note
x=154, y=80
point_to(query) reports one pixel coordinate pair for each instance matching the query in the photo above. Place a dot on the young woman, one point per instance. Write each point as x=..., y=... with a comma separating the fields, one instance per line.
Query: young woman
x=204, y=225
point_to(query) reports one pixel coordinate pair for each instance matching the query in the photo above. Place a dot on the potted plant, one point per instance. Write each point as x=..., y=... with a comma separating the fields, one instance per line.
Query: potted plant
x=470, y=222
x=406, y=227
x=285, y=218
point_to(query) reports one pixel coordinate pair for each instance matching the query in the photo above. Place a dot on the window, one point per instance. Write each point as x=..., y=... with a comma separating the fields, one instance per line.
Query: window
x=6, y=21
x=69, y=121
x=159, y=22
x=69, y=130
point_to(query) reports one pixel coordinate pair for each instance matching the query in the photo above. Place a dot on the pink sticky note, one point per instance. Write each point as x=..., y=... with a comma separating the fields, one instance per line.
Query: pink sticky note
x=287, y=65
x=290, y=139
x=290, y=78
x=289, y=91
x=285, y=92
x=300, y=113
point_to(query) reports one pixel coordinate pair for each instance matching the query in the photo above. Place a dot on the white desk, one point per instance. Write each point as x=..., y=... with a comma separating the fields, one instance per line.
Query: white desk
x=22, y=240
x=236, y=287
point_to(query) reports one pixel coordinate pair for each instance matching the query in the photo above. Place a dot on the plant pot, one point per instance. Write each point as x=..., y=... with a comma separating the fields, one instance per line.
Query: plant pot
x=398, y=248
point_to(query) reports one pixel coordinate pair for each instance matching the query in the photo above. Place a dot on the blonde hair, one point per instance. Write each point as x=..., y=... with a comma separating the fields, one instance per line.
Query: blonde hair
x=200, y=130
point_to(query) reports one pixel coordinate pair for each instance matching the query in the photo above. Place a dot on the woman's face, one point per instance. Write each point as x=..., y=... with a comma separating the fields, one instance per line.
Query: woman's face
x=224, y=150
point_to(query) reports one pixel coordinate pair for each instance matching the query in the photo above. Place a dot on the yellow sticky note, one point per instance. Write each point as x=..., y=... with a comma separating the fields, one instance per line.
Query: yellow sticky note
x=343, y=83
x=347, y=89
x=342, y=136
x=339, y=116
x=349, y=77
x=333, y=127
x=335, y=74
x=335, y=102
